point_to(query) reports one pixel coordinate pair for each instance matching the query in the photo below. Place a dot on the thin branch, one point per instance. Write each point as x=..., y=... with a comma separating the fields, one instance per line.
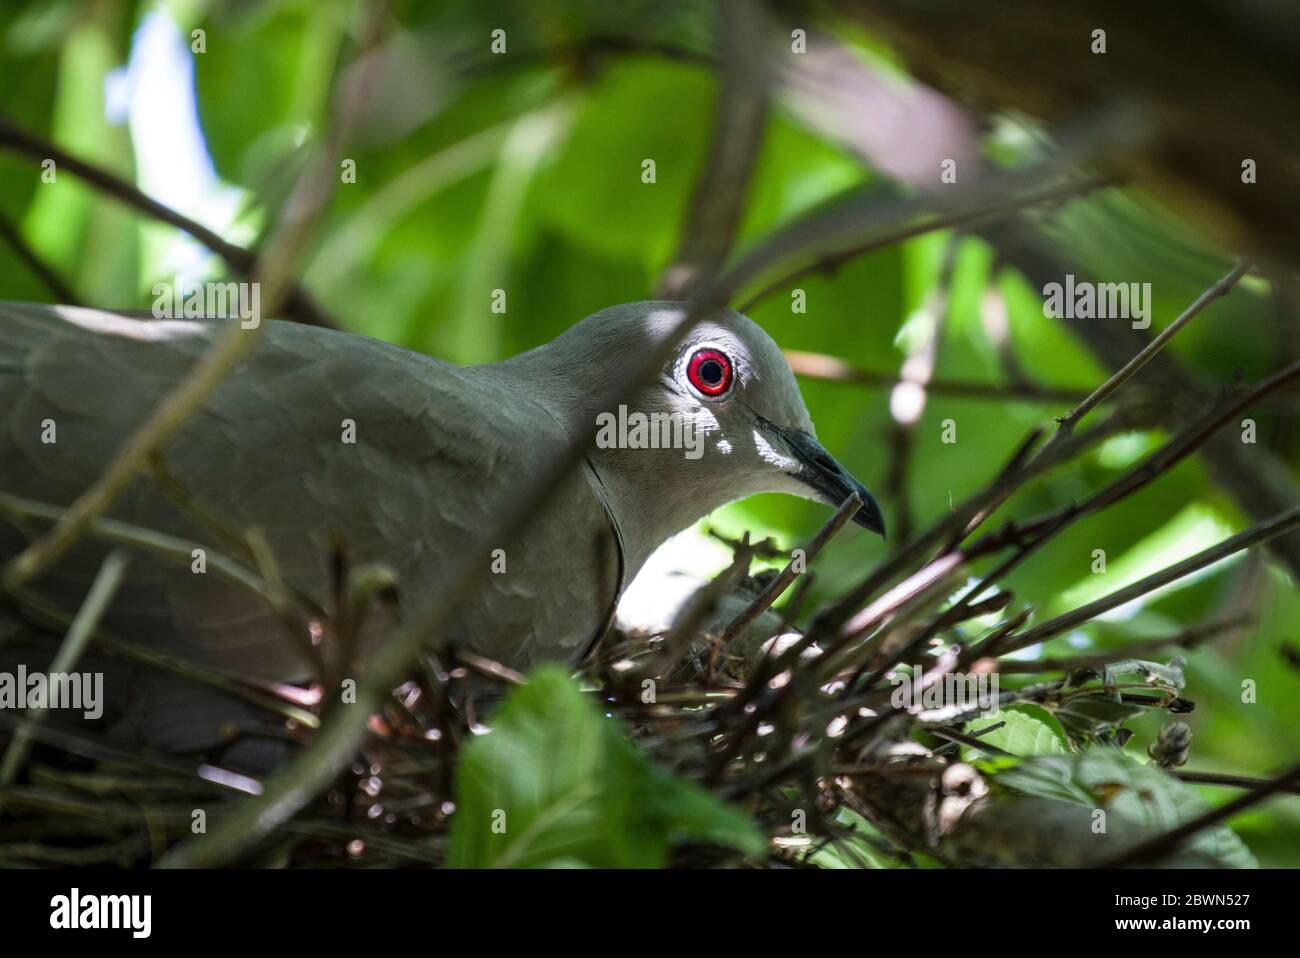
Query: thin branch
x=970, y=741
x=53, y=281
x=298, y=304
x=744, y=97
x=702, y=604
x=172, y=549
x=102, y=590
x=836, y=370
x=948, y=215
x=776, y=588
x=35, y=607
x=1067, y=423
x=1278, y=525
x=1124, y=374
x=1227, y=781
x=1258, y=479
x=1186, y=639
x=1034, y=534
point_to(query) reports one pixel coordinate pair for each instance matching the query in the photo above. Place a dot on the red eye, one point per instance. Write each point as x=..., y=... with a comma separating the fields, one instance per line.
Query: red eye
x=709, y=371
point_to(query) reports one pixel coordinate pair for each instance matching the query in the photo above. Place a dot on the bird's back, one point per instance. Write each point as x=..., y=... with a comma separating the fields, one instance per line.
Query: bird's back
x=317, y=437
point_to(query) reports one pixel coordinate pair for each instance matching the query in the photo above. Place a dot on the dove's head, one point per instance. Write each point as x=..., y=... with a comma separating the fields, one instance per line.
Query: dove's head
x=722, y=420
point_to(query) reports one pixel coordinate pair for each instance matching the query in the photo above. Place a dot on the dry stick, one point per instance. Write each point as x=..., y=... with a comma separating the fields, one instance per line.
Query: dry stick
x=1044, y=528
x=970, y=741
x=490, y=668
x=1153, y=849
x=834, y=619
x=937, y=220
x=1227, y=781
x=262, y=694
x=744, y=97
x=831, y=619
x=1263, y=532
x=171, y=549
x=1185, y=639
x=946, y=528
x=62, y=291
x=316, y=765
x=103, y=751
x=1162, y=460
x=1195, y=436
x=833, y=369
x=776, y=588
x=953, y=746
x=1067, y=422
x=298, y=304
x=910, y=590
x=105, y=586
x=1148, y=352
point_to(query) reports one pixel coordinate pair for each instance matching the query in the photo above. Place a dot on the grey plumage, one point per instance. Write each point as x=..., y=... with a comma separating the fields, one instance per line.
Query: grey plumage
x=439, y=449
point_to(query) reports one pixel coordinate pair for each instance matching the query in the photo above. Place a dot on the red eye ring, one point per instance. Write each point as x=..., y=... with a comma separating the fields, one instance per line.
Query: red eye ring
x=709, y=371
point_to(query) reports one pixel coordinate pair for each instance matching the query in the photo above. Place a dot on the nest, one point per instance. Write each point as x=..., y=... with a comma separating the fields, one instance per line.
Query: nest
x=803, y=735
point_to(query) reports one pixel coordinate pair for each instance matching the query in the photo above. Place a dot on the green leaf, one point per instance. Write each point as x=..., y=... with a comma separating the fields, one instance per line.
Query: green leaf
x=1144, y=796
x=854, y=851
x=557, y=784
x=1028, y=731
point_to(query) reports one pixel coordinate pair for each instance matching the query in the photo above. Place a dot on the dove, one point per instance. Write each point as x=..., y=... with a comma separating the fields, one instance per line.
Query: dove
x=333, y=444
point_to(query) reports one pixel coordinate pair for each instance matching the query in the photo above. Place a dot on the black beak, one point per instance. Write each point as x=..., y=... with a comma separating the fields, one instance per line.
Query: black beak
x=820, y=472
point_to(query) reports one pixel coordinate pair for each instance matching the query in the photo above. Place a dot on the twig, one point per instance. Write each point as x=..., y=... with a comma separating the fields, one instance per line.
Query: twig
x=1279, y=525
x=831, y=619
x=970, y=741
x=776, y=588
x=1227, y=781
x=723, y=186
x=47, y=614
x=1125, y=373
x=1185, y=639
x=1033, y=535
x=954, y=744
x=298, y=304
x=836, y=370
x=100, y=597
x=62, y=291
x=490, y=668
x=173, y=550
x=1257, y=479
x=938, y=216
x=1067, y=423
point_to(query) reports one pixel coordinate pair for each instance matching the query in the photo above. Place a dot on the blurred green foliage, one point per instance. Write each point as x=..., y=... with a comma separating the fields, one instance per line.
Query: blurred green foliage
x=523, y=173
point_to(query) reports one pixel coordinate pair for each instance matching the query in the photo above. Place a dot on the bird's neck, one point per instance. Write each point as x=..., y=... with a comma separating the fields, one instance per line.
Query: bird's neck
x=651, y=500
x=651, y=493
